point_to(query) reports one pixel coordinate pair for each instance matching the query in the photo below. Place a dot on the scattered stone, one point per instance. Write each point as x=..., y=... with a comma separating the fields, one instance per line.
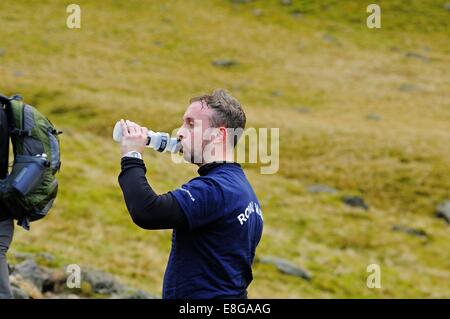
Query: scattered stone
x=257, y=12
x=2, y=52
x=31, y=280
x=302, y=109
x=166, y=20
x=30, y=271
x=418, y=56
x=18, y=73
x=276, y=93
x=447, y=6
x=443, y=211
x=46, y=257
x=286, y=2
x=21, y=256
x=296, y=13
x=134, y=61
x=410, y=230
x=101, y=282
x=331, y=39
x=373, y=117
x=409, y=88
x=355, y=201
x=27, y=288
x=18, y=293
x=225, y=63
x=56, y=282
x=319, y=188
x=286, y=267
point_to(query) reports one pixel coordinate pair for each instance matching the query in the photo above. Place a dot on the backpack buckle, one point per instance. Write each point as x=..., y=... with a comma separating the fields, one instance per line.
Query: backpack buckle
x=17, y=97
x=55, y=132
x=19, y=132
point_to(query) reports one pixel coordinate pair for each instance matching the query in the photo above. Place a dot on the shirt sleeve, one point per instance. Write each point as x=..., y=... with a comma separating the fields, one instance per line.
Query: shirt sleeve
x=147, y=209
x=201, y=201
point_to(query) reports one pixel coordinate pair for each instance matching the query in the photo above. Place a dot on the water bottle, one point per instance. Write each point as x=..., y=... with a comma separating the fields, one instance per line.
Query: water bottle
x=27, y=172
x=159, y=141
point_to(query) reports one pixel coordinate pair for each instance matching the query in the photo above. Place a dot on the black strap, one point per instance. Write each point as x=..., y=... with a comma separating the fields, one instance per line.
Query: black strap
x=24, y=222
x=4, y=144
x=4, y=100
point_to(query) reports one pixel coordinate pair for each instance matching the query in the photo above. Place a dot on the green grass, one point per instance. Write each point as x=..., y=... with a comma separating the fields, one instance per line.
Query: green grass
x=143, y=60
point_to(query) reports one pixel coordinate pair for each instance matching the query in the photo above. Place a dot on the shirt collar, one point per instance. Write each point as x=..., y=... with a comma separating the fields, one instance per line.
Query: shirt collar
x=207, y=168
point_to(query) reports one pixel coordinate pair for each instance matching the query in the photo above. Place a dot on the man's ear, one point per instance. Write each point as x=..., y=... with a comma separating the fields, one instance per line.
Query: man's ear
x=221, y=136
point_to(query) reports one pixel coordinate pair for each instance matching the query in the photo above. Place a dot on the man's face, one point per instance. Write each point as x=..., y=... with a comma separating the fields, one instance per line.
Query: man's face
x=196, y=120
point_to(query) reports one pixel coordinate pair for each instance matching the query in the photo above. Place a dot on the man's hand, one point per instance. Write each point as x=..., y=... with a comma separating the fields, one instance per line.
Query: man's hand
x=134, y=137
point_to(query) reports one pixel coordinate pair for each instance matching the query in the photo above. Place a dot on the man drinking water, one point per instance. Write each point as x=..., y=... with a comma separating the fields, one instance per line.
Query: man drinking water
x=216, y=217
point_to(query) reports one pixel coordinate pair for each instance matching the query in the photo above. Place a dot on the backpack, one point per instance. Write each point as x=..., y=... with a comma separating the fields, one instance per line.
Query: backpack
x=4, y=156
x=29, y=191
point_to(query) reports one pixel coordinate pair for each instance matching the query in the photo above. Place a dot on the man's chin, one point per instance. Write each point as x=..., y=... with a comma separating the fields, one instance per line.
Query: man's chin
x=187, y=156
x=191, y=158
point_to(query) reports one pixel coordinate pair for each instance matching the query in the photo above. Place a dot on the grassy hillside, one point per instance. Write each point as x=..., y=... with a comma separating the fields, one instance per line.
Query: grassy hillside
x=366, y=111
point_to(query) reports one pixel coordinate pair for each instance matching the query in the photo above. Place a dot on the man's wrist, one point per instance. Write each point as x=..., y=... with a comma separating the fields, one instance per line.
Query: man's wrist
x=133, y=154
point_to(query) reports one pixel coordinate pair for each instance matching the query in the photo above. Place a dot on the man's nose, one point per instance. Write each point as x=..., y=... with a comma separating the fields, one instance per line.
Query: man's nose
x=180, y=134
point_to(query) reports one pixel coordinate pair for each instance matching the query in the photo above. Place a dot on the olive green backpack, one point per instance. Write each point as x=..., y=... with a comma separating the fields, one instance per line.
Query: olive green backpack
x=30, y=189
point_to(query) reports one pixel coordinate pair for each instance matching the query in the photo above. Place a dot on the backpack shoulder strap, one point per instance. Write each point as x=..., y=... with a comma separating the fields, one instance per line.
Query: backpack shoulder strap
x=4, y=99
x=18, y=120
x=4, y=143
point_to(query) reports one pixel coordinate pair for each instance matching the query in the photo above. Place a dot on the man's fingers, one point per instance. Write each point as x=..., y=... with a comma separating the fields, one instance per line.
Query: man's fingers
x=130, y=128
x=130, y=123
x=124, y=128
x=133, y=128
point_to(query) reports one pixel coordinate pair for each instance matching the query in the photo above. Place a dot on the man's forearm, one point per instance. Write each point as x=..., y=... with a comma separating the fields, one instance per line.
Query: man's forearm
x=147, y=209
